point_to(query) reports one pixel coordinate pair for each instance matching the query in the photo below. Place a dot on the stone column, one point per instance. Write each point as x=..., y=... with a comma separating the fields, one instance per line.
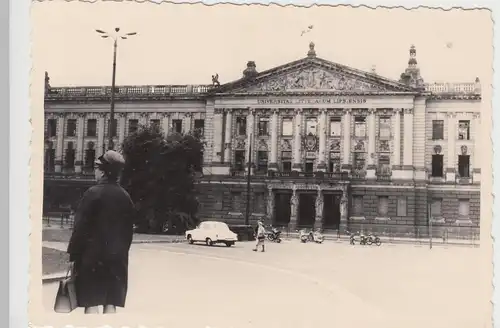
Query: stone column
x=187, y=122
x=100, y=134
x=322, y=140
x=273, y=164
x=122, y=121
x=318, y=222
x=396, y=151
x=80, y=147
x=476, y=159
x=270, y=204
x=451, y=151
x=250, y=138
x=166, y=124
x=228, y=136
x=294, y=207
x=297, y=158
x=59, y=143
x=370, y=172
x=217, y=143
x=344, y=219
x=346, y=150
x=144, y=119
x=408, y=141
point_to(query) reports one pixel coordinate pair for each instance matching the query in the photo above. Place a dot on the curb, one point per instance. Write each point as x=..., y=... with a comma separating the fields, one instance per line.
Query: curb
x=159, y=241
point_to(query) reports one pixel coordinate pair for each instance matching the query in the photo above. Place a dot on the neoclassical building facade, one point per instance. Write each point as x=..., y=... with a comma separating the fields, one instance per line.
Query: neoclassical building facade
x=325, y=145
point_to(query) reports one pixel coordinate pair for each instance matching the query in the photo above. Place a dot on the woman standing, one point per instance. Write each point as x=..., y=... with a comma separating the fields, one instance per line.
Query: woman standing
x=101, y=239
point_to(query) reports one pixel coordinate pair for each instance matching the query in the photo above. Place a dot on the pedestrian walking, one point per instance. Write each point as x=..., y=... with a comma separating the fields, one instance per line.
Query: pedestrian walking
x=261, y=236
x=101, y=239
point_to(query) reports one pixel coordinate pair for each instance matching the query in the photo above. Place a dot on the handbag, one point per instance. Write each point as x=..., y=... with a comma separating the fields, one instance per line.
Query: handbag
x=66, y=300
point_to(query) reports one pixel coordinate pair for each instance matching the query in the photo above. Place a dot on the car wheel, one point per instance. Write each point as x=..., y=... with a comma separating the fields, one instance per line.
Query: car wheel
x=229, y=243
x=209, y=242
x=190, y=239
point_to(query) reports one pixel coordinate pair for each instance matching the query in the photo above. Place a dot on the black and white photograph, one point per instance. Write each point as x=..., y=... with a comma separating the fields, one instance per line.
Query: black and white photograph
x=233, y=166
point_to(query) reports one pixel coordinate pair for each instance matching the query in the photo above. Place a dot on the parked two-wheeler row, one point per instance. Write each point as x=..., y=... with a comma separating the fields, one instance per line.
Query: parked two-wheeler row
x=312, y=236
x=369, y=239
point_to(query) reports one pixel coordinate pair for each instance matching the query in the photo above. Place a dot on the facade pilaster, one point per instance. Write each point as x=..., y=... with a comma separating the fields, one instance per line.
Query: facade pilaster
x=451, y=144
x=217, y=137
x=346, y=150
x=79, y=143
x=318, y=222
x=322, y=140
x=166, y=124
x=297, y=158
x=250, y=139
x=100, y=134
x=143, y=119
x=273, y=164
x=343, y=210
x=294, y=207
x=187, y=122
x=476, y=156
x=370, y=172
x=396, y=151
x=270, y=204
x=59, y=143
x=228, y=136
x=408, y=140
x=122, y=121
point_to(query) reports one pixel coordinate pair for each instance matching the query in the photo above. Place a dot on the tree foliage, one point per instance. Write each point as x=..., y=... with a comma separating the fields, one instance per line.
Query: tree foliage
x=160, y=174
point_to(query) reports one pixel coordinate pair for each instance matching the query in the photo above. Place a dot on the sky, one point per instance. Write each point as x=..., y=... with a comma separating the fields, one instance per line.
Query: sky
x=188, y=43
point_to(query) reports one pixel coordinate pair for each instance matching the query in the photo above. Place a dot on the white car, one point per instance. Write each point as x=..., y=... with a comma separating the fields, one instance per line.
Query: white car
x=212, y=232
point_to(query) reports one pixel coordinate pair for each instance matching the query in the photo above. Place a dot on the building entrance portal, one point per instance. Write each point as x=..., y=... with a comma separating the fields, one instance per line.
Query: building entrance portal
x=282, y=209
x=307, y=210
x=331, y=211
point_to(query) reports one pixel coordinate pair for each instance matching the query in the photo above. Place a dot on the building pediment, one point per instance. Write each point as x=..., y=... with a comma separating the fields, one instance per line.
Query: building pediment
x=314, y=75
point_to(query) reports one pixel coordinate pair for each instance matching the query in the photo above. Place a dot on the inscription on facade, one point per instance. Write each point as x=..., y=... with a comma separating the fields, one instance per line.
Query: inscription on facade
x=312, y=101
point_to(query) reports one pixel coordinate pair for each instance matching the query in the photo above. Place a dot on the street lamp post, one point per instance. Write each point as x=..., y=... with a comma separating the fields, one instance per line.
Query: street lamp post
x=115, y=36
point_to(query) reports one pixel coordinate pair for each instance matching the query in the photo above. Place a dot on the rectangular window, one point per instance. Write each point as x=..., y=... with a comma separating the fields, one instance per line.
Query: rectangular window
x=241, y=125
x=154, y=123
x=177, y=126
x=258, y=203
x=334, y=165
x=263, y=126
x=384, y=125
x=335, y=127
x=464, y=130
x=51, y=127
x=357, y=206
x=464, y=166
x=437, y=166
x=239, y=160
x=311, y=126
x=91, y=128
x=133, y=125
x=463, y=208
x=113, y=128
x=199, y=126
x=437, y=130
x=71, y=127
x=262, y=161
x=359, y=161
x=436, y=205
x=309, y=167
x=383, y=206
x=402, y=208
x=360, y=126
x=287, y=127
x=236, y=201
x=286, y=161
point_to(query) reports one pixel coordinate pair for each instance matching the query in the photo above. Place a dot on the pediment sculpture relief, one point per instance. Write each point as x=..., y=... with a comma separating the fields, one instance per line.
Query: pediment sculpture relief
x=315, y=78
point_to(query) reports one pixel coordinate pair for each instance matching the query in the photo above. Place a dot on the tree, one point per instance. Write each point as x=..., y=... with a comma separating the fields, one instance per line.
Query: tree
x=160, y=174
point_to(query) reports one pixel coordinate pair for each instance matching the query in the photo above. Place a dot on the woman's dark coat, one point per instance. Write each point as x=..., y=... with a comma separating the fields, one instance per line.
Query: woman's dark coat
x=100, y=244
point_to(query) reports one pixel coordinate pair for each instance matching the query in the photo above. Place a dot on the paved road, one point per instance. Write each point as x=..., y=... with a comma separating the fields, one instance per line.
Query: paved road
x=304, y=285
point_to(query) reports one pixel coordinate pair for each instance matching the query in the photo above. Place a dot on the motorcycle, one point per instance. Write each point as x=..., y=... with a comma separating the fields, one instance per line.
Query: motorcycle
x=373, y=239
x=274, y=235
x=363, y=239
x=313, y=236
x=352, y=237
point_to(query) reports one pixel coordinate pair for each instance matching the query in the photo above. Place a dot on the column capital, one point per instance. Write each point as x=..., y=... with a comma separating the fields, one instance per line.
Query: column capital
x=59, y=115
x=102, y=114
x=451, y=115
x=121, y=114
x=218, y=111
x=251, y=111
x=323, y=110
x=397, y=111
x=275, y=111
x=408, y=111
x=347, y=111
x=228, y=110
x=372, y=111
x=81, y=115
x=166, y=115
x=143, y=114
x=297, y=111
